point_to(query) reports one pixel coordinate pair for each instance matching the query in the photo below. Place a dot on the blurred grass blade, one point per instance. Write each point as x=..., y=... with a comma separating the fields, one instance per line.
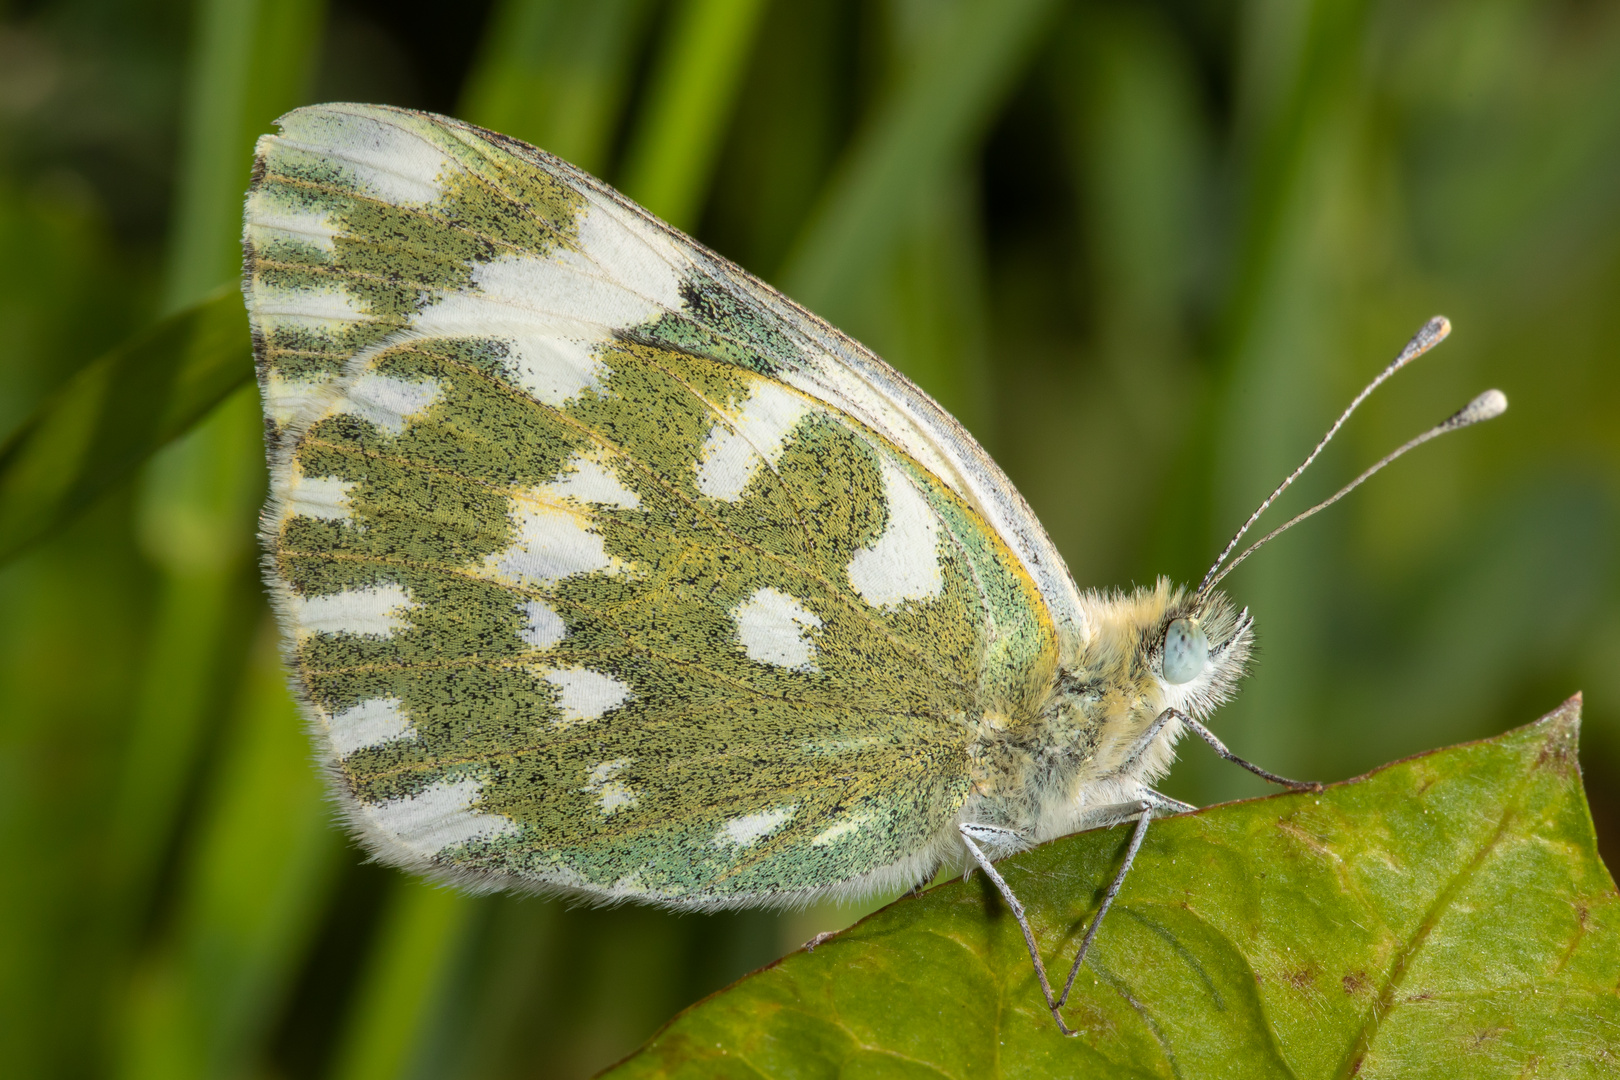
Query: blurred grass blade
x=929, y=315
x=95, y=431
x=695, y=81
x=250, y=63
x=1138, y=151
x=199, y=497
x=252, y=893
x=412, y=960
x=194, y=520
x=556, y=74
x=934, y=115
x=255, y=863
x=1444, y=916
x=1303, y=64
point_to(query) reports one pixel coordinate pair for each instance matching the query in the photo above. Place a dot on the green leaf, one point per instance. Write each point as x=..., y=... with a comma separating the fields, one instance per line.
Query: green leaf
x=110, y=417
x=1444, y=916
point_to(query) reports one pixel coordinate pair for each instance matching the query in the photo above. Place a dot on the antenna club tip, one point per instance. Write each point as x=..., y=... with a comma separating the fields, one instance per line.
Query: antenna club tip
x=1491, y=403
x=1487, y=406
x=1433, y=333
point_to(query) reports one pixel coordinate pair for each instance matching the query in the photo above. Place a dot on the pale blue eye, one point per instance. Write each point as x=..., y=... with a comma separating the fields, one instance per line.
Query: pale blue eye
x=1186, y=651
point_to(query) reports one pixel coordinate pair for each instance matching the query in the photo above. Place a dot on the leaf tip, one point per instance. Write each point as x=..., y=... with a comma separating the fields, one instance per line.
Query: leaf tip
x=1560, y=731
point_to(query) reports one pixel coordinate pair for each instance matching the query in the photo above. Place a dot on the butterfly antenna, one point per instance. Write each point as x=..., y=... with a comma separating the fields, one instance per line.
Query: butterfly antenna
x=1487, y=406
x=1433, y=333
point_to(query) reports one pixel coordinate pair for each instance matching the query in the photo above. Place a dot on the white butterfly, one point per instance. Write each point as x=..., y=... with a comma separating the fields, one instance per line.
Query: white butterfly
x=605, y=569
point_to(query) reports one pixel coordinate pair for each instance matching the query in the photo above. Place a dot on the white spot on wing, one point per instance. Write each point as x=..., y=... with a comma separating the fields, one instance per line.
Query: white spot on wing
x=371, y=723
x=583, y=694
x=610, y=793
x=388, y=402
x=842, y=829
x=385, y=158
x=554, y=311
x=589, y=481
x=756, y=434
x=565, y=875
x=874, y=394
x=438, y=817
x=544, y=627
x=773, y=628
x=286, y=398
x=551, y=544
x=324, y=497
x=903, y=563
x=374, y=612
x=628, y=885
x=640, y=259
x=749, y=829
x=315, y=309
x=555, y=370
x=550, y=354
x=268, y=221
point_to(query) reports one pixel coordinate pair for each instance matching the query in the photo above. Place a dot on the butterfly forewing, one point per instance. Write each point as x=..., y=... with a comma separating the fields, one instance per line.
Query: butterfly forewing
x=590, y=580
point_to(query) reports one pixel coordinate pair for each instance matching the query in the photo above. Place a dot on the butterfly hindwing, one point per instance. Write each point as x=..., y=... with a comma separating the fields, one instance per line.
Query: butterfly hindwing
x=604, y=567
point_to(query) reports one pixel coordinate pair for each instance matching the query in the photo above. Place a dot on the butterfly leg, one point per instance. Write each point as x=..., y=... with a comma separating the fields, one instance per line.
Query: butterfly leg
x=1143, y=741
x=1144, y=814
x=991, y=833
x=1220, y=748
x=1164, y=803
x=1139, y=747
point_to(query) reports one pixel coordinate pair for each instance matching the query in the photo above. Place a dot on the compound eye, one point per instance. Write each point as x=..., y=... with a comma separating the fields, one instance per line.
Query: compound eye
x=1186, y=651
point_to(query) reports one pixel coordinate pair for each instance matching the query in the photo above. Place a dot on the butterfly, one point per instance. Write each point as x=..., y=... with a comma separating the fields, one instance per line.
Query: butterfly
x=606, y=570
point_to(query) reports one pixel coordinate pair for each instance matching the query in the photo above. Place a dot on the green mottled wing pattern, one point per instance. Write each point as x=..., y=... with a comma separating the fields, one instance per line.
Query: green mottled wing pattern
x=604, y=568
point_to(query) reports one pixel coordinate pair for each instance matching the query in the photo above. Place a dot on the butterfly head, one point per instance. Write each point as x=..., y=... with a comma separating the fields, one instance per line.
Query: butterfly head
x=1195, y=648
x=1168, y=648
x=1151, y=649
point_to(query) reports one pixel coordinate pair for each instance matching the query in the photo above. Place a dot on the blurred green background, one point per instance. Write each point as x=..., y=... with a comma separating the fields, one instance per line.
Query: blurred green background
x=1145, y=250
